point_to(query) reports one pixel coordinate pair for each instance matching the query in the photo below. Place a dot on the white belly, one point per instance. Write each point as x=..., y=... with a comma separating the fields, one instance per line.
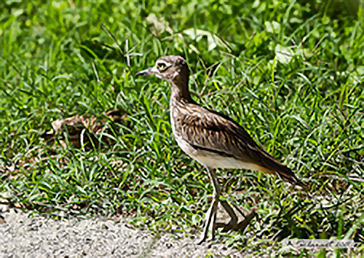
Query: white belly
x=214, y=160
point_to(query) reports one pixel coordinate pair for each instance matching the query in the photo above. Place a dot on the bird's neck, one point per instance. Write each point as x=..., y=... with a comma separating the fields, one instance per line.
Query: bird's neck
x=180, y=92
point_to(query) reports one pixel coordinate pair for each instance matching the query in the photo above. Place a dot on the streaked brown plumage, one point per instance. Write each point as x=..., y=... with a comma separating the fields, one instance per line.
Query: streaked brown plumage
x=211, y=138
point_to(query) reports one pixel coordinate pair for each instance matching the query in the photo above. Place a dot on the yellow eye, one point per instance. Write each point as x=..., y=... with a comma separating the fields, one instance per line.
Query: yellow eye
x=161, y=66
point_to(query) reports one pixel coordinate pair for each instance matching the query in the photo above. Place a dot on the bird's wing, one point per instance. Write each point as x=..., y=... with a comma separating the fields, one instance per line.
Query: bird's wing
x=211, y=131
x=206, y=129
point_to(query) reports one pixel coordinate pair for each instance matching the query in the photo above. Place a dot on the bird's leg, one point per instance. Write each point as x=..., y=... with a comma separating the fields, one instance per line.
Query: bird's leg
x=233, y=218
x=211, y=214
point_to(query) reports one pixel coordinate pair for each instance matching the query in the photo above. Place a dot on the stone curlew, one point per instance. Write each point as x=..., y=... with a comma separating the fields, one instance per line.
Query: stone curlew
x=211, y=138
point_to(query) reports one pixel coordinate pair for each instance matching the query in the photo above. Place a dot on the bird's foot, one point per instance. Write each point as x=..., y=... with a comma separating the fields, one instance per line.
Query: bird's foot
x=245, y=222
x=228, y=217
x=233, y=217
x=204, y=239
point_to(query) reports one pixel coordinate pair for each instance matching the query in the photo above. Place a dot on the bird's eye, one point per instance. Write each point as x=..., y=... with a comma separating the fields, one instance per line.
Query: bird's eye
x=161, y=66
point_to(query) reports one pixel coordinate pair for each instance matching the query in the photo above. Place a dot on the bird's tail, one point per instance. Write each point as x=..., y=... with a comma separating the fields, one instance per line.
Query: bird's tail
x=287, y=175
x=271, y=165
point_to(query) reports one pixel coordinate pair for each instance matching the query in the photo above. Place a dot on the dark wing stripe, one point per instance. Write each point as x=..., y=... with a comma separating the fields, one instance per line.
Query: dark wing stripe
x=224, y=154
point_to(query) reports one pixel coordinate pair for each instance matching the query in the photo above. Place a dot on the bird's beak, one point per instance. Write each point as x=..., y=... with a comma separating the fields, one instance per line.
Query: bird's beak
x=145, y=72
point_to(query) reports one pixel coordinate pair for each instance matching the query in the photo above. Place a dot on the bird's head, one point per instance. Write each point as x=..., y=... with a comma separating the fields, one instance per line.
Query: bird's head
x=173, y=69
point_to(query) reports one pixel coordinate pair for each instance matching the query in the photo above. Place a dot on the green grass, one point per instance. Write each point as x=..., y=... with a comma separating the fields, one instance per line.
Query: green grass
x=291, y=73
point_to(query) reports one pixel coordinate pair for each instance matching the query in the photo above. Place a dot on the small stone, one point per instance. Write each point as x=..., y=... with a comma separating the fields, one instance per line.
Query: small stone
x=2, y=219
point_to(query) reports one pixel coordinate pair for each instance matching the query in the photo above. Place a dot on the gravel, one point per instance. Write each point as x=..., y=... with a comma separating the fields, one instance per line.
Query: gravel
x=26, y=234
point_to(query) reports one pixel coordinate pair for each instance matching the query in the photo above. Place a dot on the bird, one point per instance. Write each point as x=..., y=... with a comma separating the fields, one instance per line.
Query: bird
x=213, y=139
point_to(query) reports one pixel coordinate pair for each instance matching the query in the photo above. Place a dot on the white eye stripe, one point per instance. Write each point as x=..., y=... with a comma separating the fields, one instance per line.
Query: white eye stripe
x=163, y=63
